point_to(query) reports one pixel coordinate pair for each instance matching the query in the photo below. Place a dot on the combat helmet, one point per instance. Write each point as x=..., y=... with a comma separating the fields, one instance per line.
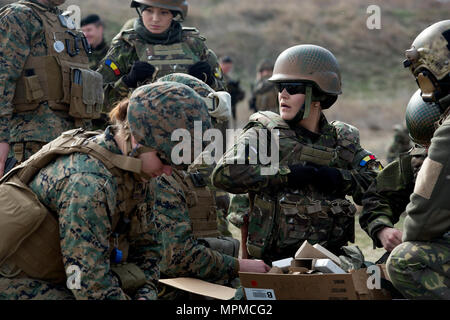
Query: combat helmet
x=180, y=6
x=420, y=119
x=219, y=103
x=314, y=66
x=156, y=110
x=429, y=61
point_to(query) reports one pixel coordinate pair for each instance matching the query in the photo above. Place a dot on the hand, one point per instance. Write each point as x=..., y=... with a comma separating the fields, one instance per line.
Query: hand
x=248, y=265
x=4, y=150
x=390, y=238
x=203, y=71
x=140, y=71
x=328, y=179
x=301, y=176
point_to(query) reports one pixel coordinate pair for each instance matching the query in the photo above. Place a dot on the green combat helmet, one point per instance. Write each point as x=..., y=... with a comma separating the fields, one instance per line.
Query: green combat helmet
x=219, y=103
x=180, y=6
x=429, y=61
x=420, y=119
x=314, y=66
x=157, y=109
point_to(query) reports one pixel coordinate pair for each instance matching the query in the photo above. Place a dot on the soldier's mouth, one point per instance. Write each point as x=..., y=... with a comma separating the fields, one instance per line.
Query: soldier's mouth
x=283, y=105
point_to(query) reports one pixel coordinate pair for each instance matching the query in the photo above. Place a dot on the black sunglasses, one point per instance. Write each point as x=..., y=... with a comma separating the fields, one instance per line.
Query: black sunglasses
x=291, y=87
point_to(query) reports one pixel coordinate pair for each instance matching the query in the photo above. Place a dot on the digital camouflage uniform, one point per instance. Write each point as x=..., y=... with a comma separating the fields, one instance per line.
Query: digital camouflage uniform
x=401, y=143
x=84, y=195
x=22, y=33
x=420, y=267
x=186, y=47
x=98, y=53
x=313, y=221
x=388, y=195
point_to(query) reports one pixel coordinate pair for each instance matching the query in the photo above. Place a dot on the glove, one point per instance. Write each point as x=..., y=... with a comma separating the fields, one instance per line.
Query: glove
x=301, y=176
x=328, y=180
x=140, y=71
x=203, y=71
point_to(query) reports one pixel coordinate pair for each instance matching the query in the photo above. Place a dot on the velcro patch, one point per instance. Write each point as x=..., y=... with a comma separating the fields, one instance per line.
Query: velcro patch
x=427, y=178
x=113, y=66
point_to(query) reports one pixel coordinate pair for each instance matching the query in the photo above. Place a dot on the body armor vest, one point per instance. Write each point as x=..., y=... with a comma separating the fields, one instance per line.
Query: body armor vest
x=201, y=203
x=61, y=78
x=29, y=232
x=172, y=58
x=280, y=222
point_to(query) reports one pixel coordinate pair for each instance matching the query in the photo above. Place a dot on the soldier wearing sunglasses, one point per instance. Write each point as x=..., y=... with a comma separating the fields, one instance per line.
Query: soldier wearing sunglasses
x=321, y=163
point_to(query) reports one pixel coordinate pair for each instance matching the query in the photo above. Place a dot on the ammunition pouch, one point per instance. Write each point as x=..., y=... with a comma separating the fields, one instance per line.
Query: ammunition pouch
x=224, y=245
x=29, y=234
x=131, y=277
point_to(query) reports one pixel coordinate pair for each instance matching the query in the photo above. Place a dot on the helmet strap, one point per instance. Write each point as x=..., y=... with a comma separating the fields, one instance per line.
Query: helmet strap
x=444, y=103
x=308, y=100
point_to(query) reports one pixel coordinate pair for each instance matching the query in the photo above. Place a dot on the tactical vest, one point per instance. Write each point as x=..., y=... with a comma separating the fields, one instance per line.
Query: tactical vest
x=201, y=203
x=172, y=58
x=29, y=232
x=280, y=222
x=61, y=78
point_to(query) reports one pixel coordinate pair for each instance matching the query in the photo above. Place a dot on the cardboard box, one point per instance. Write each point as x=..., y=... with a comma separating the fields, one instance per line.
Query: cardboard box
x=317, y=251
x=327, y=266
x=201, y=287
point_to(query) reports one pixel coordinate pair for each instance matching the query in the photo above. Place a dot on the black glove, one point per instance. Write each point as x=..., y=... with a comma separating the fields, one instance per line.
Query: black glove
x=203, y=71
x=301, y=176
x=328, y=180
x=140, y=71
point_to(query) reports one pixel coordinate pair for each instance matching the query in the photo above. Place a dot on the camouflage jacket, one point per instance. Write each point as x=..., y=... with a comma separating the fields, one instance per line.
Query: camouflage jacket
x=84, y=195
x=401, y=143
x=22, y=36
x=98, y=53
x=182, y=255
x=428, y=213
x=264, y=96
x=388, y=195
x=128, y=47
x=337, y=143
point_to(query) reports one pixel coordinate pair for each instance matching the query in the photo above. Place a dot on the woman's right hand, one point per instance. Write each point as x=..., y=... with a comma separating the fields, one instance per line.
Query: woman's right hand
x=249, y=265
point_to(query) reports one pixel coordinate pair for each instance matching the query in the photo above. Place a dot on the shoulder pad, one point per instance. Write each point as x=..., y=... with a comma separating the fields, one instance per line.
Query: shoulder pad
x=129, y=36
x=346, y=132
x=192, y=32
x=269, y=119
x=395, y=175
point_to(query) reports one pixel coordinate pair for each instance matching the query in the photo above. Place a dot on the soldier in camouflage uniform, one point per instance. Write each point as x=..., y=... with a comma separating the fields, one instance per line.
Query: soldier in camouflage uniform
x=400, y=143
x=387, y=197
x=320, y=162
x=157, y=45
x=39, y=65
x=104, y=198
x=264, y=93
x=185, y=251
x=233, y=86
x=420, y=267
x=92, y=27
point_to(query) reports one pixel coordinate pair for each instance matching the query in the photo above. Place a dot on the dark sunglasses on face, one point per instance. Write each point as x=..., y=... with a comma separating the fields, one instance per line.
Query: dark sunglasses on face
x=291, y=87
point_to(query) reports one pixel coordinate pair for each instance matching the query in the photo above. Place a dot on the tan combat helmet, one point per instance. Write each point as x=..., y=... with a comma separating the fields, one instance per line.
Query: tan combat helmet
x=180, y=6
x=314, y=66
x=429, y=59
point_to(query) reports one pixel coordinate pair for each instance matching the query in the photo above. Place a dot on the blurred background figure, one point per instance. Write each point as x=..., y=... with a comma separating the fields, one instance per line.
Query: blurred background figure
x=93, y=27
x=264, y=94
x=401, y=143
x=233, y=86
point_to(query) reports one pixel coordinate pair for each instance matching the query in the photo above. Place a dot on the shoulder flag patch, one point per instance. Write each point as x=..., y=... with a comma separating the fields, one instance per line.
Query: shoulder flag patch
x=113, y=67
x=367, y=159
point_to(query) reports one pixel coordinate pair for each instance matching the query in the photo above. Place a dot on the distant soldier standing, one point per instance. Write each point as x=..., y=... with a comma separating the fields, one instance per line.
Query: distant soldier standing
x=401, y=143
x=157, y=45
x=233, y=86
x=93, y=27
x=420, y=267
x=264, y=93
x=45, y=82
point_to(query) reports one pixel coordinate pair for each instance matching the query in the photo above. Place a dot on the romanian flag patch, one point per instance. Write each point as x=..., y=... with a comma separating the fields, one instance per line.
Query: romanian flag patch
x=113, y=67
x=367, y=159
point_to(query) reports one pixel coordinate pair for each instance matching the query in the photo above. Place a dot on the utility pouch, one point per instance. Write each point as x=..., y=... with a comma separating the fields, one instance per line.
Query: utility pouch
x=86, y=94
x=33, y=90
x=131, y=277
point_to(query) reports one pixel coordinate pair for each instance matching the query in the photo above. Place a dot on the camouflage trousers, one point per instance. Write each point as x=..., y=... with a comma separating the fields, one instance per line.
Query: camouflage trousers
x=31, y=289
x=421, y=270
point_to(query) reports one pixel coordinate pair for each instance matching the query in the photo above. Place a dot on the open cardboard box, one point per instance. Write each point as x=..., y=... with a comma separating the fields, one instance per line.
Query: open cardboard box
x=276, y=286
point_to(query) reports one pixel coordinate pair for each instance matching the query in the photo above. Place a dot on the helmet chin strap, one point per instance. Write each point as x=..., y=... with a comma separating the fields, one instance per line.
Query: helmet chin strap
x=305, y=109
